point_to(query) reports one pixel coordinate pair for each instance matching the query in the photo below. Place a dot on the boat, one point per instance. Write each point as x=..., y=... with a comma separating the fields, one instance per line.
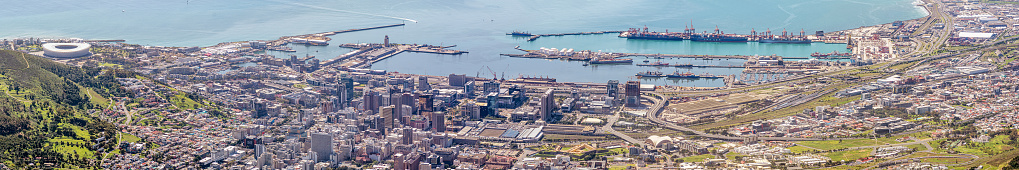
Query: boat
x=637, y=33
x=545, y=79
x=681, y=75
x=656, y=63
x=518, y=33
x=585, y=64
x=709, y=76
x=650, y=74
x=611, y=61
x=719, y=38
x=785, y=40
x=683, y=65
x=646, y=61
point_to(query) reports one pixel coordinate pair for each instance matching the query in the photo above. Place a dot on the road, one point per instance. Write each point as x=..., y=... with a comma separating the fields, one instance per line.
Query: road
x=608, y=128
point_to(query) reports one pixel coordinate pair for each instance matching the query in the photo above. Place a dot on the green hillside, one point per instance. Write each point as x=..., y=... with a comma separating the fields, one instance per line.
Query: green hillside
x=44, y=113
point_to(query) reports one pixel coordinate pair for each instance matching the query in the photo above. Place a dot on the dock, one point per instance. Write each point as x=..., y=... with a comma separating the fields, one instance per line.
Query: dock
x=536, y=36
x=729, y=66
x=367, y=54
x=280, y=44
x=588, y=55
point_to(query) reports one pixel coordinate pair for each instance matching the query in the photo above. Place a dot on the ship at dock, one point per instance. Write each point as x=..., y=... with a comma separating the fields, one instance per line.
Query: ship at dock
x=519, y=33
x=543, y=79
x=650, y=74
x=688, y=34
x=786, y=38
x=689, y=75
x=611, y=61
x=656, y=63
x=637, y=33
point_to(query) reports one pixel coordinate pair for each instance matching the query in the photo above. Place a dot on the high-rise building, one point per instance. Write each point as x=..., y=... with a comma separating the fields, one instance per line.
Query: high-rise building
x=547, y=105
x=632, y=93
x=322, y=145
x=491, y=87
x=389, y=115
x=457, y=80
x=426, y=102
x=423, y=84
x=371, y=100
x=469, y=89
x=408, y=84
x=612, y=88
x=438, y=122
x=386, y=41
x=348, y=87
x=408, y=136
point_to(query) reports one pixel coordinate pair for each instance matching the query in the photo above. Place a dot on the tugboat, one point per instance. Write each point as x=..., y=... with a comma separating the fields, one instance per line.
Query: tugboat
x=650, y=74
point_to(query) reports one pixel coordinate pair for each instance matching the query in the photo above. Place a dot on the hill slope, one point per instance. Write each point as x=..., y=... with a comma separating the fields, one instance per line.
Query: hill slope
x=44, y=117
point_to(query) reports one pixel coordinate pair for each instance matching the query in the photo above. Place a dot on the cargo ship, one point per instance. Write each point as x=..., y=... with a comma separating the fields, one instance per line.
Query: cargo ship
x=545, y=79
x=719, y=38
x=689, y=75
x=656, y=63
x=611, y=61
x=681, y=75
x=518, y=33
x=637, y=33
x=650, y=74
x=683, y=65
x=784, y=38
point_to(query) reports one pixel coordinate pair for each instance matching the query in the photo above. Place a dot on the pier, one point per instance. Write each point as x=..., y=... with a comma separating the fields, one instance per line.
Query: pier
x=536, y=36
x=367, y=54
x=280, y=44
x=589, y=55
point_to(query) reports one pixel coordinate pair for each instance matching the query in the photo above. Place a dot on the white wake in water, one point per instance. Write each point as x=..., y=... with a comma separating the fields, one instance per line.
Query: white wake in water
x=353, y=12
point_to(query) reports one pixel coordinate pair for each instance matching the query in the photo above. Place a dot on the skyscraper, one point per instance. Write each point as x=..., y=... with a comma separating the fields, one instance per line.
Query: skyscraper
x=632, y=93
x=423, y=84
x=322, y=145
x=389, y=115
x=612, y=88
x=547, y=105
x=438, y=122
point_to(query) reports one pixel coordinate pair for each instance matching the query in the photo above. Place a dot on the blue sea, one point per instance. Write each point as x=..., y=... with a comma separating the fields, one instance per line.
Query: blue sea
x=473, y=25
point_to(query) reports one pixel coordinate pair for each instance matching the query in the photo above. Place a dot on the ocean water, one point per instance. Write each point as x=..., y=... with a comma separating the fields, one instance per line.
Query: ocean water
x=473, y=25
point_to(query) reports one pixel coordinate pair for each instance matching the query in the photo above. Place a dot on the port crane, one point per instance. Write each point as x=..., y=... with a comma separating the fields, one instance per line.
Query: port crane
x=494, y=75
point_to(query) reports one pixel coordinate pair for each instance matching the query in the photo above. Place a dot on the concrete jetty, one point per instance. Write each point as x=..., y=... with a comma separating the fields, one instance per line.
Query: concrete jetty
x=280, y=44
x=536, y=36
x=367, y=54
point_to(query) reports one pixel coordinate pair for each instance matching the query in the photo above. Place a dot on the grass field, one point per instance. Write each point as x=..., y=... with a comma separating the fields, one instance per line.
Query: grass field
x=129, y=138
x=67, y=149
x=836, y=144
x=799, y=149
x=697, y=158
x=848, y=155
